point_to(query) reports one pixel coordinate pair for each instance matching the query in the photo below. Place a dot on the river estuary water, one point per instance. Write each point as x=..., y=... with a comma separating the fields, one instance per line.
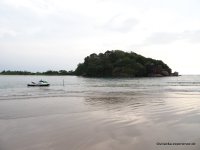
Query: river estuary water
x=100, y=113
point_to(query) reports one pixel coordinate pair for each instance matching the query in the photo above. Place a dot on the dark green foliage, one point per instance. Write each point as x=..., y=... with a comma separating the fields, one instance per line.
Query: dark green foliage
x=49, y=72
x=117, y=63
x=16, y=73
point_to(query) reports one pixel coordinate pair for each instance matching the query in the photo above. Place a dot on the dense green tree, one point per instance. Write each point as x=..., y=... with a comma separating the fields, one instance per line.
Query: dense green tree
x=117, y=63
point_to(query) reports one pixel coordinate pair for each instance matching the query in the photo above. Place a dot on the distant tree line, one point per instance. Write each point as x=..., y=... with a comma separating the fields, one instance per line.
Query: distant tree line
x=118, y=63
x=49, y=72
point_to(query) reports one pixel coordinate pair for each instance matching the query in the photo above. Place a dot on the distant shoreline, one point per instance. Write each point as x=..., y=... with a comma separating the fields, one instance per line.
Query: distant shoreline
x=83, y=76
x=49, y=73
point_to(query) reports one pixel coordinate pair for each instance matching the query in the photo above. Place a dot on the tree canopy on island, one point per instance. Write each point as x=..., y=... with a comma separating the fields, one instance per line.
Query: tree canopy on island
x=117, y=63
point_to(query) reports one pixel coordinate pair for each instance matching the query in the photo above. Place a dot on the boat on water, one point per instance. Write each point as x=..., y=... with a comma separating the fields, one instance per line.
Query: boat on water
x=40, y=83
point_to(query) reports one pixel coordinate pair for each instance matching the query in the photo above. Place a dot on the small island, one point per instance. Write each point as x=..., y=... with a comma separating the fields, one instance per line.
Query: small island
x=117, y=63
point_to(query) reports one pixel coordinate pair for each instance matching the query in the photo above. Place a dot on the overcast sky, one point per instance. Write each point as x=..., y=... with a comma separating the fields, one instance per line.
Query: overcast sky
x=38, y=35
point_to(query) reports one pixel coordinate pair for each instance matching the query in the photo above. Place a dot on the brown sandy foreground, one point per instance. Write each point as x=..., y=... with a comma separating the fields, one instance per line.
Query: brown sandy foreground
x=97, y=123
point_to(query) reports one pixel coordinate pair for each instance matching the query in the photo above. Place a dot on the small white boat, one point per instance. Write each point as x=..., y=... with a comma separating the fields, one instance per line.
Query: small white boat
x=40, y=83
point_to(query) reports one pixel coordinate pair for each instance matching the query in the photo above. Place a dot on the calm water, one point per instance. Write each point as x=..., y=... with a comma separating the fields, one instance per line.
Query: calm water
x=99, y=114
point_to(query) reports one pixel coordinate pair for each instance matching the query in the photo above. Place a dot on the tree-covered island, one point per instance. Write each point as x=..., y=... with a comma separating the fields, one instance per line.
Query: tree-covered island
x=117, y=63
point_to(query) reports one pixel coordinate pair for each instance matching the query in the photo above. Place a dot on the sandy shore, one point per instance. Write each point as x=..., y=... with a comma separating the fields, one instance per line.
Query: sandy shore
x=78, y=123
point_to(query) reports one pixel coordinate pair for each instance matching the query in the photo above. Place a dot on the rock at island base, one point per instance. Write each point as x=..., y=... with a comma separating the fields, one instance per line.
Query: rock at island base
x=165, y=73
x=175, y=74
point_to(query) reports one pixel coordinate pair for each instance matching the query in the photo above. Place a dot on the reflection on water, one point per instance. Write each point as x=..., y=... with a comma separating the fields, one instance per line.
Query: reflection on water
x=100, y=114
x=148, y=121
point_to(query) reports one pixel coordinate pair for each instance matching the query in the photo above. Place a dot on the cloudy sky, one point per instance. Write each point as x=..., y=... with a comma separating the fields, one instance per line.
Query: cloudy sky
x=38, y=35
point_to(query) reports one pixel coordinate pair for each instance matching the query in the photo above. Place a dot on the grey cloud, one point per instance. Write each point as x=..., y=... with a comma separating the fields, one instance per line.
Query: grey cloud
x=117, y=23
x=6, y=33
x=192, y=36
x=162, y=38
x=167, y=38
x=23, y=24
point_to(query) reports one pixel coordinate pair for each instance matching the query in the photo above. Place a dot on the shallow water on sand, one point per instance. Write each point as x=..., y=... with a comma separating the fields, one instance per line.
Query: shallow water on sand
x=100, y=114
